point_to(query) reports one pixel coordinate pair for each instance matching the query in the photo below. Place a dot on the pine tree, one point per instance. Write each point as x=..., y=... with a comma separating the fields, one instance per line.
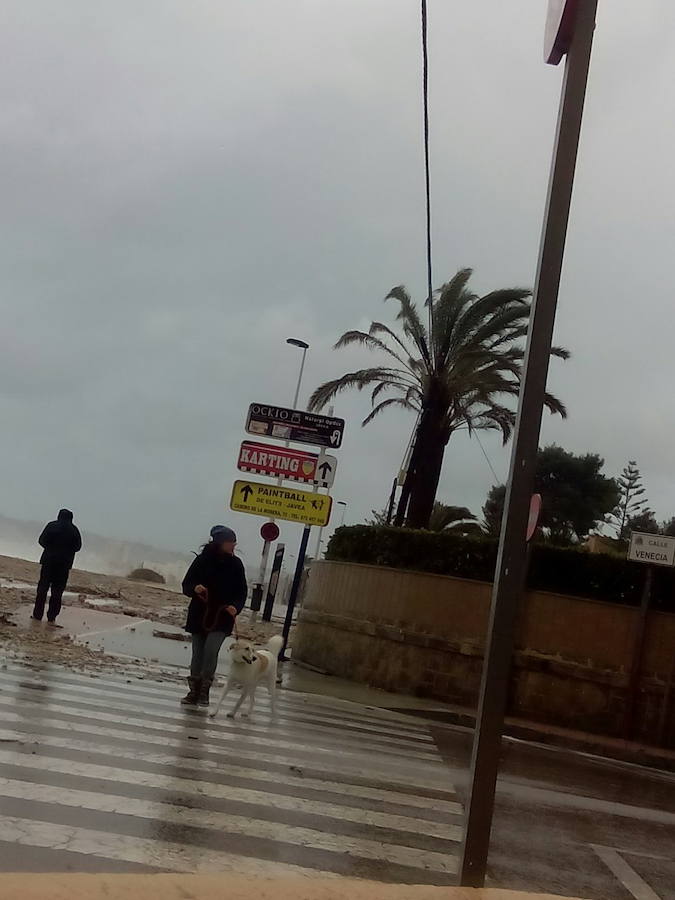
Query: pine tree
x=632, y=504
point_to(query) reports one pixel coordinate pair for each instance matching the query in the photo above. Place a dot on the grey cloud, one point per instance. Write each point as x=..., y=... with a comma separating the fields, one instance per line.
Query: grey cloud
x=186, y=185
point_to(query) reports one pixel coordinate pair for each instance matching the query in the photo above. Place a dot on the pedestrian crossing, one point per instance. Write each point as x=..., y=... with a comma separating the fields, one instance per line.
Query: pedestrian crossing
x=110, y=774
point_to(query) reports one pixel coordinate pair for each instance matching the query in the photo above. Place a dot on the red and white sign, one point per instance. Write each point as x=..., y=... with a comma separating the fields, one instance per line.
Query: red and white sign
x=269, y=532
x=284, y=462
x=560, y=23
x=533, y=518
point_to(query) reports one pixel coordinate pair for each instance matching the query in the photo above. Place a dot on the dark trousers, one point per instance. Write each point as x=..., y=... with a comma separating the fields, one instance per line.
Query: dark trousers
x=205, y=650
x=52, y=576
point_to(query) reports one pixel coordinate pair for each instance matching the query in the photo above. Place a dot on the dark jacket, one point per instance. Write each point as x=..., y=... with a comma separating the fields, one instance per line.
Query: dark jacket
x=60, y=540
x=224, y=578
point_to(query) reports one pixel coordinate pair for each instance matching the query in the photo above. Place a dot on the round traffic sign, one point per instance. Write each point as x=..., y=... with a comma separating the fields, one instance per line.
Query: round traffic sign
x=269, y=531
x=533, y=518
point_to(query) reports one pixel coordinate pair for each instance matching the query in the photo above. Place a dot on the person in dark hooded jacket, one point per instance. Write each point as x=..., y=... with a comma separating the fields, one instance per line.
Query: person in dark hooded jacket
x=60, y=541
x=216, y=586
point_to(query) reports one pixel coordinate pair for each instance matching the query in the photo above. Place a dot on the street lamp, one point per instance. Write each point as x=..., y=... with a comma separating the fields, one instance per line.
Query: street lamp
x=343, y=504
x=304, y=346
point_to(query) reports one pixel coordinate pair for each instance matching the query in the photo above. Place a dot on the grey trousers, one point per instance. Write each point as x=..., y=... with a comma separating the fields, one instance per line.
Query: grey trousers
x=205, y=649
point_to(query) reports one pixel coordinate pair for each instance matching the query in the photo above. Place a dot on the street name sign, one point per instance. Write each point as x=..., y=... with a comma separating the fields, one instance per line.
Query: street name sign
x=287, y=463
x=267, y=420
x=277, y=502
x=655, y=549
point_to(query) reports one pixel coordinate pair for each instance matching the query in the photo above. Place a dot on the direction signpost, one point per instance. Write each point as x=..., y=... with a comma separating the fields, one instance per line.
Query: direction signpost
x=287, y=464
x=295, y=425
x=273, y=501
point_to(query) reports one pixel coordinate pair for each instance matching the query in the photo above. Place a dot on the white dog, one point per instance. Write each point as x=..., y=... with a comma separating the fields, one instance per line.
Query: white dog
x=248, y=668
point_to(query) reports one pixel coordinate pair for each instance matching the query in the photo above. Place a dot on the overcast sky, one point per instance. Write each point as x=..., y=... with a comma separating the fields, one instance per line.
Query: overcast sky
x=186, y=184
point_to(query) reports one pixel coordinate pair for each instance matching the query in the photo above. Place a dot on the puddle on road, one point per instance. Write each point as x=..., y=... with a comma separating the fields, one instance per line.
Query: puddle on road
x=97, y=623
x=137, y=640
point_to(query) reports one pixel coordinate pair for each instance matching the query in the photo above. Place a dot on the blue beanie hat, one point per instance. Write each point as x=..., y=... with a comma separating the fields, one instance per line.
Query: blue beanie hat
x=221, y=534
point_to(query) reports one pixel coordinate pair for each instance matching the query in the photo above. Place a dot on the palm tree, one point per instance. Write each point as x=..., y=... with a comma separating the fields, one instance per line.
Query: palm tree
x=455, y=374
x=453, y=518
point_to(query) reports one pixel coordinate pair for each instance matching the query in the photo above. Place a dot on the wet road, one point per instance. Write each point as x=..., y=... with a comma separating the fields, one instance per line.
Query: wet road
x=569, y=823
x=97, y=774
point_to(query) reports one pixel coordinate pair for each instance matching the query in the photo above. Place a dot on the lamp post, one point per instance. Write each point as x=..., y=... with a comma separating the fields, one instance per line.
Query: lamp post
x=343, y=504
x=304, y=346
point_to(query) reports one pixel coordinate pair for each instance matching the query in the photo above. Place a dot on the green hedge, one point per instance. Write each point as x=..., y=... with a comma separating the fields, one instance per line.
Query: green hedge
x=597, y=576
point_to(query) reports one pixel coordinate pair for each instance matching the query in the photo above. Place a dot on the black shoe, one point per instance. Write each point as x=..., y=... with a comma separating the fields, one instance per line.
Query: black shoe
x=204, y=692
x=192, y=696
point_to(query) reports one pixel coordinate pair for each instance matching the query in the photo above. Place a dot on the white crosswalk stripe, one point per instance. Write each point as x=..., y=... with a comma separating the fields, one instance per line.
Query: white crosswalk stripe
x=119, y=772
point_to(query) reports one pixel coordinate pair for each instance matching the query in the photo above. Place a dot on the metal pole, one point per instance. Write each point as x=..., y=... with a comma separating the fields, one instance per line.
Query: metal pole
x=638, y=653
x=257, y=593
x=295, y=588
x=297, y=387
x=317, y=551
x=511, y=558
x=274, y=582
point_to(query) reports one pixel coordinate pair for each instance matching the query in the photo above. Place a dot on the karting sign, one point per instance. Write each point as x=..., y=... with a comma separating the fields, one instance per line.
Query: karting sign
x=284, y=462
x=278, y=502
x=266, y=420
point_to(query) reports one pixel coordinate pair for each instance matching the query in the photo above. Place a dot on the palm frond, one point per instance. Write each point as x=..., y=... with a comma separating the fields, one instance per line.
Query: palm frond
x=411, y=322
x=369, y=340
x=385, y=404
x=555, y=406
x=377, y=328
x=486, y=307
x=360, y=379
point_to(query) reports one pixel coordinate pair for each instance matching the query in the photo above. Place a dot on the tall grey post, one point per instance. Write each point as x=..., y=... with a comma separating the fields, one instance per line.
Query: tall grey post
x=511, y=557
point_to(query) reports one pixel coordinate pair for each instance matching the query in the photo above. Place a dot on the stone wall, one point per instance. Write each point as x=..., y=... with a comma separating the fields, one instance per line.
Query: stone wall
x=423, y=634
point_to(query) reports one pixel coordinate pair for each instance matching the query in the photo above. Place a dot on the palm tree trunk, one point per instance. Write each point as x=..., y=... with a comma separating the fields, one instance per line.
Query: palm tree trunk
x=425, y=469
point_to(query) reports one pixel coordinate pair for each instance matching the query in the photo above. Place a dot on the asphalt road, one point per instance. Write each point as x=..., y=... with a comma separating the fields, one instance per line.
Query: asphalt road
x=109, y=774
x=568, y=823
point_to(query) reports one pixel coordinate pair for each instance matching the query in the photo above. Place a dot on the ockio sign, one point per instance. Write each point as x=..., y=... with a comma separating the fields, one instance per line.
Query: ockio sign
x=654, y=549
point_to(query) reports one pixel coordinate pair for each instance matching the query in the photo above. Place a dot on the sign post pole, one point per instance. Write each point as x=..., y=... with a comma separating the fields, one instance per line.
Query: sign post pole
x=638, y=653
x=511, y=557
x=269, y=533
x=274, y=582
x=295, y=589
x=257, y=592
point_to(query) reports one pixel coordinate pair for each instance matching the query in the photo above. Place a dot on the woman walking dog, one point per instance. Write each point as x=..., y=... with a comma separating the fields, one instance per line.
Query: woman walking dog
x=216, y=586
